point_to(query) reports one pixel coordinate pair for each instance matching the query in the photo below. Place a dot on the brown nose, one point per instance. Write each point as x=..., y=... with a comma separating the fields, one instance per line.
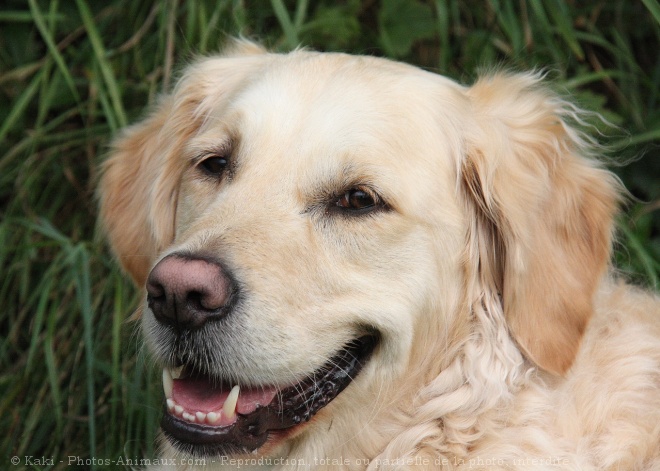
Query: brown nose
x=186, y=292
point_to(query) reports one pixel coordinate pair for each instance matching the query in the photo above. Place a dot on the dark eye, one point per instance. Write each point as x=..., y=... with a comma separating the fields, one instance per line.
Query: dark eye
x=358, y=199
x=214, y=165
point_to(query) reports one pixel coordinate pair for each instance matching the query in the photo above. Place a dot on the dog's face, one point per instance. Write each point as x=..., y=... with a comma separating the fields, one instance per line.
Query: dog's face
x=320, y=236
x=311, y=230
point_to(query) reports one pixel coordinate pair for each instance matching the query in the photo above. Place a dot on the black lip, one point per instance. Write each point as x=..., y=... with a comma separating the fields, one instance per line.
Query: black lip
x=292, y=406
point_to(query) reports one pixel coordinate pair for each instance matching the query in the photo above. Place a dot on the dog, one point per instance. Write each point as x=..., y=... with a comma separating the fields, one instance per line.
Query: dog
x=352, y=263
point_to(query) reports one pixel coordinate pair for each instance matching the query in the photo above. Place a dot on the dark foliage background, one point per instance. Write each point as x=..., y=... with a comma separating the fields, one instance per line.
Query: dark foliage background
x=72, y=382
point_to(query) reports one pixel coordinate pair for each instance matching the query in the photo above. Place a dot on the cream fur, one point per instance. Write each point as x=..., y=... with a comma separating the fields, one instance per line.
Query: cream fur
x=505, y=342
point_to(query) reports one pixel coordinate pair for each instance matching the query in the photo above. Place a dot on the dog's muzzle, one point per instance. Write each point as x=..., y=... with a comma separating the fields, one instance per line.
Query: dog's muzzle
x=205, y=413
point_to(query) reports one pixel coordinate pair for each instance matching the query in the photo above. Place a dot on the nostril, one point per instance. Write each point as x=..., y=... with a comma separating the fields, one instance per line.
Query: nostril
x=155, y=290
x=202, y=302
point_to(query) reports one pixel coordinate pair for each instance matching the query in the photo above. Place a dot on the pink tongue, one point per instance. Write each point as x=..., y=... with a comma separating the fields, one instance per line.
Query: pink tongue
x=198, y=394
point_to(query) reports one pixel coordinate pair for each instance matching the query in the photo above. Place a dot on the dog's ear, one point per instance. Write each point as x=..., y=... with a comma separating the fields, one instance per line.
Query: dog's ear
x=140, y=179
x=544, y=214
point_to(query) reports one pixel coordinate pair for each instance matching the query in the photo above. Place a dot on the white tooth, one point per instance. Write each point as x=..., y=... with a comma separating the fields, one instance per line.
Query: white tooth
x=188, y=417
x=230, y=404
x=201, y=416
x=178, y=409
x=170, y=404
x=168, y=383
x=176, y=372
x=212, y=417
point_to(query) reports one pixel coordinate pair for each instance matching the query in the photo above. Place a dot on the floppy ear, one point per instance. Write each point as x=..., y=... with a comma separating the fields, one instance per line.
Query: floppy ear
x=543, y=214
x=140, y=179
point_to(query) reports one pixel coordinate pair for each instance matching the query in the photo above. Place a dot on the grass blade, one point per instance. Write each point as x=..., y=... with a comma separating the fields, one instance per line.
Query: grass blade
x=40, y=22
x=79, y=259
x=562, y=19
x=301, y=13
x=285, y=22
x=101, y=58
x=20, y=106
x=634, y=243
x=654, y=7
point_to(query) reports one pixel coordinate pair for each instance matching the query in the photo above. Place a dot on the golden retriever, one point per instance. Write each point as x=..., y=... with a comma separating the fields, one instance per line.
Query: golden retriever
x=352, y=263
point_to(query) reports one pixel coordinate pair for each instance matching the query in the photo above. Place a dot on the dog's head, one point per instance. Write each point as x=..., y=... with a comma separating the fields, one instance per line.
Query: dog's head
x=314, y=230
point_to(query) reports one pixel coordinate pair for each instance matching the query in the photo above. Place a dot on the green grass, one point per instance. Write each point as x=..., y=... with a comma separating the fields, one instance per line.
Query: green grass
x=73, y=381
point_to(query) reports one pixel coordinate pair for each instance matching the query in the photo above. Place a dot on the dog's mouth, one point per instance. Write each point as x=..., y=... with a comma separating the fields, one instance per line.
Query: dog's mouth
x=208, y=417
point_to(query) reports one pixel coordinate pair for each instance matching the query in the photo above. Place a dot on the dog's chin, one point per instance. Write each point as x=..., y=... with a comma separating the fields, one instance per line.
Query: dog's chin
x=205, y=416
